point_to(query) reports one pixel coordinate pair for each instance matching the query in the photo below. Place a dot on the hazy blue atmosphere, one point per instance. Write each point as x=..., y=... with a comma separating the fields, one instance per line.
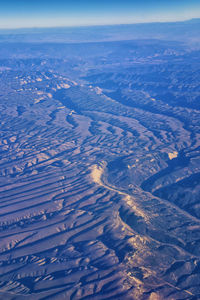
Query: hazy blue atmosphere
x=49, y=13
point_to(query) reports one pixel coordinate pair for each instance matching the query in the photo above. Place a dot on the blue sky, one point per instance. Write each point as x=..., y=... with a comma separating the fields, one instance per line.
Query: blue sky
x=49, y=13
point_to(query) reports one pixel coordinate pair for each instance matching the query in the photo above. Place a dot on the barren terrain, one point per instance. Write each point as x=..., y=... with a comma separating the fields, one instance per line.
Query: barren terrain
x=99, y=170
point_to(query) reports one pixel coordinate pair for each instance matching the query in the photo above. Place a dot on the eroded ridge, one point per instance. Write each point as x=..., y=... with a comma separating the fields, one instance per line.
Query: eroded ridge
x=146, y=235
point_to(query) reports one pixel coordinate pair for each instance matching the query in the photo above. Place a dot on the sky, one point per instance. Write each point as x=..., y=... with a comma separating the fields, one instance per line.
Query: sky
x=53, y=13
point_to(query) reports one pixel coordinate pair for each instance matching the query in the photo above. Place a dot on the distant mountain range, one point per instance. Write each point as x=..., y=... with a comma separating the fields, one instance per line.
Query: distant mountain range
x=185, y=31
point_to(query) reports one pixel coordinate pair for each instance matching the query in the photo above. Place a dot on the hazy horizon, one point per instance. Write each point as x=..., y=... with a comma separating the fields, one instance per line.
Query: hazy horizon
x=60, y=13
x=95, y=25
